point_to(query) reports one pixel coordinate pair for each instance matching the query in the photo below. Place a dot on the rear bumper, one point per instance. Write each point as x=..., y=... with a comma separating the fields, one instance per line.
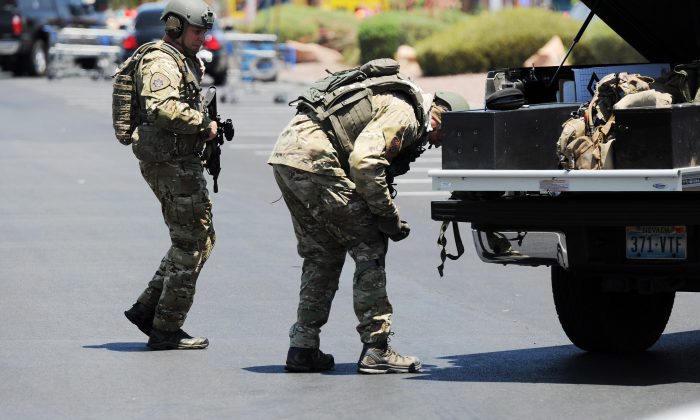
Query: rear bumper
x=9, y=46
x=584, y=231
x=553, y=213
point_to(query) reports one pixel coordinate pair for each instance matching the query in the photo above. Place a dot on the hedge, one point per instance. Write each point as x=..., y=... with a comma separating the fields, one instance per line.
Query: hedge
x=335, y=29
x=447, y=42
x=380, y=35
x=492, y=40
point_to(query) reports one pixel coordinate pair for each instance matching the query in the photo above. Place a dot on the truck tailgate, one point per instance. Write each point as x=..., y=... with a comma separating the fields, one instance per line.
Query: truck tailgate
x=559, y=180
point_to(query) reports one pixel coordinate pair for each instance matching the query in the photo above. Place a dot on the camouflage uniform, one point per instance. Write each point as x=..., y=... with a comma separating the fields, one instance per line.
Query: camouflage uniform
x=166, y=145
x=334, y=213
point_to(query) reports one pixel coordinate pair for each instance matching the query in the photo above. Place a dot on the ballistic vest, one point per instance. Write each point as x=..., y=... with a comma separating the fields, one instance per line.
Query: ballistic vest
x=342, y=102
x=127, y=111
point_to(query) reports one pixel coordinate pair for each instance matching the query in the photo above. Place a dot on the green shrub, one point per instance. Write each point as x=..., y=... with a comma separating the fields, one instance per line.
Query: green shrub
x=376, y=41
x=380, y=35
x=447, y=42
x=492, y=40
x=331, y=28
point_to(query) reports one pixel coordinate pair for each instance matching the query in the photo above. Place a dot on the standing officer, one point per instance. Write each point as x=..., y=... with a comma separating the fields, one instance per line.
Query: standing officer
x=352, y=131
x=170, y=134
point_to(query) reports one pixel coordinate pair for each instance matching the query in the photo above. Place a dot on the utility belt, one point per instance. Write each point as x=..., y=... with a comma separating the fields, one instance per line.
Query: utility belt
x=152, y=144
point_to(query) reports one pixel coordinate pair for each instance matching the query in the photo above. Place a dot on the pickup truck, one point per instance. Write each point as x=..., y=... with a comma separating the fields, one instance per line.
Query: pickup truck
x=620, y=242
x=28, y=26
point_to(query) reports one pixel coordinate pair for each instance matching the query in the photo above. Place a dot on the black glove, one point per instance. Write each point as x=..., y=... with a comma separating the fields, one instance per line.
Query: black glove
x=393, y=227
x=403, y=233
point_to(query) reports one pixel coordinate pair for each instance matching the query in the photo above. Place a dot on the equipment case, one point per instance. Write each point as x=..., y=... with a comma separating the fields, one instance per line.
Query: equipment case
x=657, y=138
x=523, y=138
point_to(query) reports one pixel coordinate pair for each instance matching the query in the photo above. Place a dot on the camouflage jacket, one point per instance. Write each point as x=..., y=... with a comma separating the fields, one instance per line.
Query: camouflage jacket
x=170, y=99
x=304, y=145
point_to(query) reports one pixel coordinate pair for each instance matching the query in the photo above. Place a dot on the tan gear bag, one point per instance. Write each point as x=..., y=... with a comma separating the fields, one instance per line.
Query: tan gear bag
x=125, y=107
x=587, y=138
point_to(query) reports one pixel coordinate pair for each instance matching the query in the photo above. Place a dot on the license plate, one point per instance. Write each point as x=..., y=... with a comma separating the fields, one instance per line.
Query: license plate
x=656, y=242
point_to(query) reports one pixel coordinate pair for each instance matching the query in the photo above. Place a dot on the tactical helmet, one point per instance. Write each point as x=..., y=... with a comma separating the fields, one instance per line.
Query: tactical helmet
x=194, y=12
x=446, y=101
x=454, y=100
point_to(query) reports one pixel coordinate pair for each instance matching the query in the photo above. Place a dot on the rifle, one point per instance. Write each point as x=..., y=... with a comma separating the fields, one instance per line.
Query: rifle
x=400, y=165
x=211, y=157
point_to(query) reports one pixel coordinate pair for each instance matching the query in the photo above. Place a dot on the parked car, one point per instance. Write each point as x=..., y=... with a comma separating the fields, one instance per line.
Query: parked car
x=147, y=27
x=26, y=28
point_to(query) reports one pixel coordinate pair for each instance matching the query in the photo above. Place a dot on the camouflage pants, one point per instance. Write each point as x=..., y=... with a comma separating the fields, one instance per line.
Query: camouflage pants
x=330, y=220
x=182, y=192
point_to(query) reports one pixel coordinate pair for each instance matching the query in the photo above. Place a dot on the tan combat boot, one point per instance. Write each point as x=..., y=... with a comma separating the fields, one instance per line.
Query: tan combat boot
x=177, y=340
x=381, y=358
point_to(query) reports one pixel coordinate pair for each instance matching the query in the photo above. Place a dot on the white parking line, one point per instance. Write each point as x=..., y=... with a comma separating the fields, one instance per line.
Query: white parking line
x=423, y=194
x=413, y=180
x=423, y=159
x=425, y=170
x=249, y=146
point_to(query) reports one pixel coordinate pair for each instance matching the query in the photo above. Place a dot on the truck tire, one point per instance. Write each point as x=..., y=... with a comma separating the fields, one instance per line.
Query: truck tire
x=263, y=69
x=599, y=321
x=38, y=59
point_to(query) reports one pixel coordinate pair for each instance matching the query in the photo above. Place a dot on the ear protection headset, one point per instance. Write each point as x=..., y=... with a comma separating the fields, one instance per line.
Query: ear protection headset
x=174, y=26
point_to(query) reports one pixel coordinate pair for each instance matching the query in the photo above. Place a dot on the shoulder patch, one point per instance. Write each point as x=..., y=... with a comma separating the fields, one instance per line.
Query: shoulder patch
x=159, y=81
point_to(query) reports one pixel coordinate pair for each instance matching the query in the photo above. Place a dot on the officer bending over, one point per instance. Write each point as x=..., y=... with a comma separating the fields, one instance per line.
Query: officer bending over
x=331, y=163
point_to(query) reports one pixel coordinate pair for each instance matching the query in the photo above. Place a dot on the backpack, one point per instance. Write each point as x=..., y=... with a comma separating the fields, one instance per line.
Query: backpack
x=681, y=82
x=125, y=106
x=587, y=137
x=342, y=102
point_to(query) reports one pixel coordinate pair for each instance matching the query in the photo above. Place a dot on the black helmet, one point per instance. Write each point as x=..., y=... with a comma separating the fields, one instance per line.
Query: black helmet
x=194, y=12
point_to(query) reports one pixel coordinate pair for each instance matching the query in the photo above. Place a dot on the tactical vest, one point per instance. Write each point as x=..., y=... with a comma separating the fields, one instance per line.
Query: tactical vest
x=127, y=111
x=342, y=103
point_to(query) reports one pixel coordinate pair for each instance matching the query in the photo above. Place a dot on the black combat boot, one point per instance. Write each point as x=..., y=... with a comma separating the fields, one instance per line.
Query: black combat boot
x=175, y=340
x=381, y=358
x=301, y=359
x=140, y=316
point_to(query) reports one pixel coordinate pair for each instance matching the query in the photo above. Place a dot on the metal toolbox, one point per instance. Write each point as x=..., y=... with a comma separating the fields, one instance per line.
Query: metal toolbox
x=657, y=138
x=523, y=138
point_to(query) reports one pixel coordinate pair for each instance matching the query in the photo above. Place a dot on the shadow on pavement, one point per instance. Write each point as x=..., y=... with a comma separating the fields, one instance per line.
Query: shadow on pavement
x=124, y=347
x=673, y=359
x=340, y=369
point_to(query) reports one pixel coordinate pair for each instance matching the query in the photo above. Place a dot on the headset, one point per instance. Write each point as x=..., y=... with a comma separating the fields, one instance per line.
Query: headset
x=174, y=26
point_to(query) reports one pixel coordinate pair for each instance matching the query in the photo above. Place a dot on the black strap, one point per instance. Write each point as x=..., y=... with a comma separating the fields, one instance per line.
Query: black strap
x=442, y=242
x=391, y=186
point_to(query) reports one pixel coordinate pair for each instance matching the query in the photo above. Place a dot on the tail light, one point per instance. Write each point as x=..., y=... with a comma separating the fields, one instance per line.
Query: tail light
x=211, y=43
x=130, y=43
x=16, y=25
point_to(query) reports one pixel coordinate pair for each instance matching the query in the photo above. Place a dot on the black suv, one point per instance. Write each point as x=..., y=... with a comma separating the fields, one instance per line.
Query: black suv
x=26, y=28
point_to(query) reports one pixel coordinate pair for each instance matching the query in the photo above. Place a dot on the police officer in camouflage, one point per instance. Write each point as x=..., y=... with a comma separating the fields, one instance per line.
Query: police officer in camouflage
x=331, y=164
x=167, y=140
